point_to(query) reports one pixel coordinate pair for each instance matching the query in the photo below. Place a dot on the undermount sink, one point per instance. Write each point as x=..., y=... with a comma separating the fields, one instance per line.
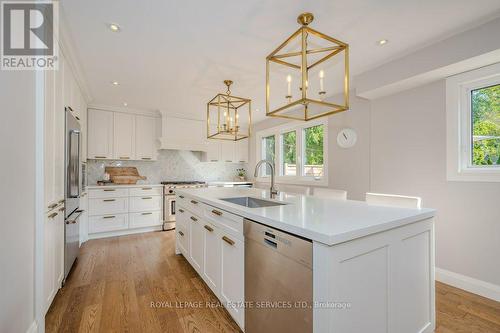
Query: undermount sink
x=252, y=202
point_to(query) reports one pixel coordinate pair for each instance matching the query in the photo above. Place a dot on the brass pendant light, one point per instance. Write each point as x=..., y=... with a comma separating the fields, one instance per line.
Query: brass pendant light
x=313, y=60
x=229, y=113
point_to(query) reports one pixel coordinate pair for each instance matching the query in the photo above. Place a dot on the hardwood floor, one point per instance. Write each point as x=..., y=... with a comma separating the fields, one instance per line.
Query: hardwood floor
x=137, y=284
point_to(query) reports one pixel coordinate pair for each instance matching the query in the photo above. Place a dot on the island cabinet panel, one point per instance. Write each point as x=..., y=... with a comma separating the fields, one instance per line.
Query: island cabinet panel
x=387, y=279
x=232, y=276
x=196, y=246
x=211, y=269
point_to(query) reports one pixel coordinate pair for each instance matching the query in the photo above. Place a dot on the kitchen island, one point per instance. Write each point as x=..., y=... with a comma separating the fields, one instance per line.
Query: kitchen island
x=372, y=267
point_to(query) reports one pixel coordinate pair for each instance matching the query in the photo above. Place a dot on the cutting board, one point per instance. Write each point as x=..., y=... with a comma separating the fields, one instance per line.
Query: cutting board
x=124, y=175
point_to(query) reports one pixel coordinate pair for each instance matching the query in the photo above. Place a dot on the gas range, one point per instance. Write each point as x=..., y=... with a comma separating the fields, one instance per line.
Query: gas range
x=169, y=199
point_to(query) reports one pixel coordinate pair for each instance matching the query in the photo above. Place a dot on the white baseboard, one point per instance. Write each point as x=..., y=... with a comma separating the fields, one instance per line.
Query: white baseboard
x=475, y=286
x=33, y=327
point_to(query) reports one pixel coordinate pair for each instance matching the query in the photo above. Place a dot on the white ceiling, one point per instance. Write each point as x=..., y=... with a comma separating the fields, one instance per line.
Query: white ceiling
x=173, y=55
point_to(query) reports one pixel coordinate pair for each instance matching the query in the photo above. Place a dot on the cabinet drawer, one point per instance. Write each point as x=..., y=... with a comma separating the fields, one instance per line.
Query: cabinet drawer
x=145, y=203
x=108, y=193
x=144, y=219
x=233, y=223
x=108, y=223
x=193, y=205
x=145, y=191
x=108, y=206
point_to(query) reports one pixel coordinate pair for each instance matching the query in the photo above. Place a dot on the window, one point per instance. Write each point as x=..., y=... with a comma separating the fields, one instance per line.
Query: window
x=268, y=152
x=473, y=125
x=289, y=153
x=313, y=151
x=485, y=104
x=300, y=153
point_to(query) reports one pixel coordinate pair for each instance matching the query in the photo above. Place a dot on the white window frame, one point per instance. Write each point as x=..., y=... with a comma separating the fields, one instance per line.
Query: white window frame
x=459, y=125
x=299, y=127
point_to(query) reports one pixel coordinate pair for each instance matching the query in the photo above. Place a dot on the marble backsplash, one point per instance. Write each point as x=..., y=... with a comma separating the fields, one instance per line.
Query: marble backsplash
x=171, y=165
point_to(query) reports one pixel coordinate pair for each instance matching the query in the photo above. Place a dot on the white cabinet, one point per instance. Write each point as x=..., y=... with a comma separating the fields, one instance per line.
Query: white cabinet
x=106, y=223
x=241, y=151
x=123, y=136
x=196, y=243
x=182, y=133
x=100, y=134
x=232, y=275
x=120, y=136
x=211, y=267
x=213, y=151
x=145, y=137
x=144, y=219
x=227, y=151
x=53, y=254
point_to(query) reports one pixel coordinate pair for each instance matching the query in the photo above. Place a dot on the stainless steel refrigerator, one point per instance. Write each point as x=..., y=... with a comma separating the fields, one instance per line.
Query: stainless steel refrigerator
x=72, y=192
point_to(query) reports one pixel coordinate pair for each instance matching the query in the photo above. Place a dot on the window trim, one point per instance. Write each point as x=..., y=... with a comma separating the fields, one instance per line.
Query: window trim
x=459, y=125
x=298, y=126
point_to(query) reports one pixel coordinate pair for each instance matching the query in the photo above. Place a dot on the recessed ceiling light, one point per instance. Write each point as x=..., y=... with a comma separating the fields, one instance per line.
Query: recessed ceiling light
x=115, y=83
x=114, y=27
x=125, y=103
x=382, y=42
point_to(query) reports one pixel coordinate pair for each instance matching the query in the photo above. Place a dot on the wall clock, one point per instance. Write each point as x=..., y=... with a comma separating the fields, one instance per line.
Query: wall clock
x=347, y=138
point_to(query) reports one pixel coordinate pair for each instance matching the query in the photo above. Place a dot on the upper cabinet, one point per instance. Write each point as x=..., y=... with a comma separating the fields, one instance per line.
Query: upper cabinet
x=124, y=136
x=182, y=133
x=100, y=134
x=227, y=151
x=145, y=129
x=121, y=136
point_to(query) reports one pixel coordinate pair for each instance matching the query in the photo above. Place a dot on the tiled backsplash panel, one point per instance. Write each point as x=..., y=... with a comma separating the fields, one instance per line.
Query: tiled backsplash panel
x=171, y=165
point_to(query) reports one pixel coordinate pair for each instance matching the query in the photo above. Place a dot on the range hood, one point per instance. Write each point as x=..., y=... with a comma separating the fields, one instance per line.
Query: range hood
x=182, y=133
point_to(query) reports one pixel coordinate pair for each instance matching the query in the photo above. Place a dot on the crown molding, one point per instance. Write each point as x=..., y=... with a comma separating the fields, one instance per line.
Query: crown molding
x=144, y=112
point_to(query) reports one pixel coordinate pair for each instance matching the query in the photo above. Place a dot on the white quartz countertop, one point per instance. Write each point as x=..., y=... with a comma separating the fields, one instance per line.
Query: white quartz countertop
x=329, y=221
x=92, y=187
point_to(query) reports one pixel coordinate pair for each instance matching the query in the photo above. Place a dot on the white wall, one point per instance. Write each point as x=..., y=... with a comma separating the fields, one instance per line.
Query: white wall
x=348, y=169
x=408, y=149
x=17, y=198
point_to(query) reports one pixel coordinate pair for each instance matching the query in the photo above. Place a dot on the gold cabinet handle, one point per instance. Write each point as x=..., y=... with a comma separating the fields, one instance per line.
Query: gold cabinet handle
x=209, y=228
x=228, y=240
x=109, y=190
x=181, y=196
x=51, y=216
x=216, y=212
x=61, y=209
x=181, y=210
x=62, y=200
x=229, y=161
x=193, y=218
x=54, y=205
x=124, y=158
x=145, y=158
x=194, y=202
x=147, y=213
x=99, y=156
x=109, y=200
x=109, y=217
x=147, y=188
x=147, y=198
x=181, y=233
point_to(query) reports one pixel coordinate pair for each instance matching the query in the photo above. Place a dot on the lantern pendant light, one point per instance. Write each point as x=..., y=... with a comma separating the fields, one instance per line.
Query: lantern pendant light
x=231, y=114
x=307, y=76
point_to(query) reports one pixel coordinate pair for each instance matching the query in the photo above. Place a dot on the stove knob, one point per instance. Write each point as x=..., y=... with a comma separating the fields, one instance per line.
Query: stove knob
x=170, y=191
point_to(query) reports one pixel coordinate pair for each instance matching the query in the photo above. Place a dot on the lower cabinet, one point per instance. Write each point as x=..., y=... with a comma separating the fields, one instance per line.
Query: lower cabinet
x=211, y=269
x=196, y=246
x=53, y=254
x=216, y=252
x=108, y=223
x=232, y=276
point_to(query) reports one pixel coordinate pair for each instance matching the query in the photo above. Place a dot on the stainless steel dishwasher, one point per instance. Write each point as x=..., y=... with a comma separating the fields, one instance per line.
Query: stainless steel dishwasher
x=278, y=281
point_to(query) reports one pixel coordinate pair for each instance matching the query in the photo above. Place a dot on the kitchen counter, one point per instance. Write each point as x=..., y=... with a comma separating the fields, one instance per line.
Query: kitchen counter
x=323, y=220
x=90, y=187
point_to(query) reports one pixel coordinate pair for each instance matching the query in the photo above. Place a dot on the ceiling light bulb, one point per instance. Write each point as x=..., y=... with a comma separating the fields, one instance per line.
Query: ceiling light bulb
x=125, y=103
x=115, y=83
x=289, y=78
x=382, y=42
x=114, y=27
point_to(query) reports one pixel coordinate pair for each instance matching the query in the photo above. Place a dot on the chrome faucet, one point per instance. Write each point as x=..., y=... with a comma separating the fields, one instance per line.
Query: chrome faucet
x=273, y=191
